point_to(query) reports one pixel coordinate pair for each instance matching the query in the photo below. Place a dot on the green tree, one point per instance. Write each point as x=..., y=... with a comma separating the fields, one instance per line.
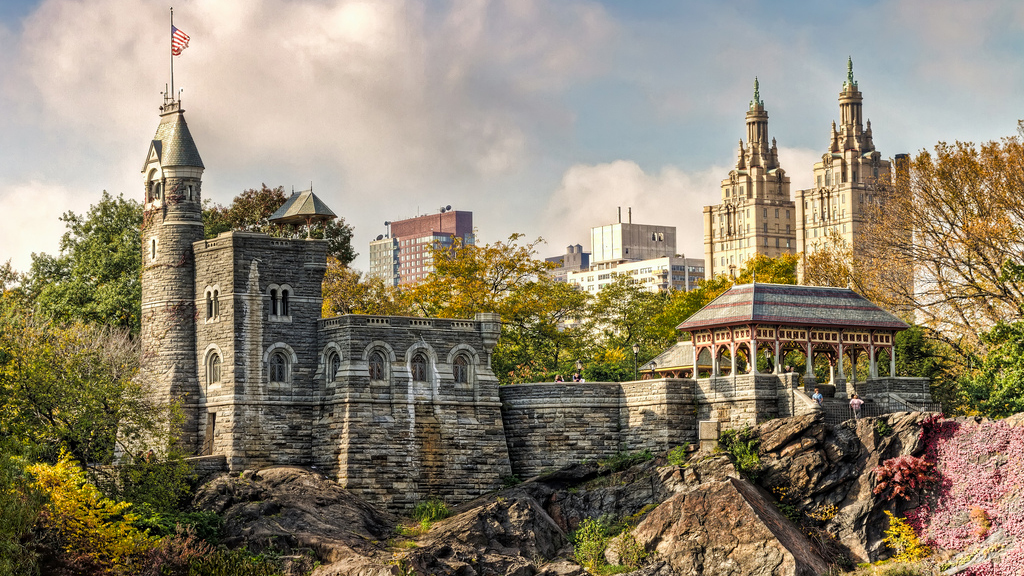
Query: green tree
x=74, y=386
x=996, y=387
x=96, y=276
x=251, y=211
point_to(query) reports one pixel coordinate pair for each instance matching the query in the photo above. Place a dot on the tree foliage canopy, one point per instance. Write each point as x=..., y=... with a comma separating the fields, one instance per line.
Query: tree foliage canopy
x=96, y=276
x=958, y=220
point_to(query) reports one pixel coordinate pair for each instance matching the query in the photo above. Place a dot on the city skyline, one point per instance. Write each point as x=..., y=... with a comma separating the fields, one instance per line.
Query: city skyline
x=539, y=117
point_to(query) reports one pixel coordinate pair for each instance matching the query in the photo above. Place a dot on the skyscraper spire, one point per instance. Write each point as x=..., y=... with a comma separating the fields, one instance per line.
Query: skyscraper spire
x=849, y=74
x=757, y=95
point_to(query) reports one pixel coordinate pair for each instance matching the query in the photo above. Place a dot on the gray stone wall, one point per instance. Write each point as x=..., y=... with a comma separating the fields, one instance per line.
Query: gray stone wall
x=736, y=402
x=548, y=426
x=399, y=440
x=255, y=421
x=658, y=415
x=913, y=390
x=551, y=425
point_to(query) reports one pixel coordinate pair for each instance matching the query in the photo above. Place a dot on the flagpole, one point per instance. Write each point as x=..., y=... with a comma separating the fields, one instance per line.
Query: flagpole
x=172, y=53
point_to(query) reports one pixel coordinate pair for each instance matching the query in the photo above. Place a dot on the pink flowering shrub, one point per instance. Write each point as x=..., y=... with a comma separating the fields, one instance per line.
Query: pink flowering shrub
x=980, y=467
x=904, y=477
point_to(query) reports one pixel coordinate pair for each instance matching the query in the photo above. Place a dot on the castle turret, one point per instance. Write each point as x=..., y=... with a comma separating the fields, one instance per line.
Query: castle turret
x=172, y=221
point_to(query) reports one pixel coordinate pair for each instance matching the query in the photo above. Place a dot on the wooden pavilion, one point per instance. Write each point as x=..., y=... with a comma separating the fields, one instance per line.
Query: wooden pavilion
x=775, y=319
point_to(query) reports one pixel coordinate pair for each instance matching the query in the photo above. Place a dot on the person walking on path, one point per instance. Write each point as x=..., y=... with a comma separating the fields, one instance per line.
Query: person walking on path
x=855, y=404
x=818, y=398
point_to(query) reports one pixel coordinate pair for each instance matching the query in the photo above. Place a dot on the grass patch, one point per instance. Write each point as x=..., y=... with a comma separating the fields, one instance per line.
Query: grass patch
x=677, y=456
x=624, y=460
x=431, y=510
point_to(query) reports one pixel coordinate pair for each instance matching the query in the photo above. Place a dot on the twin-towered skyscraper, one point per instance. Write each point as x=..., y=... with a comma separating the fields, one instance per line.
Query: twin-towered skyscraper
x=758, y=214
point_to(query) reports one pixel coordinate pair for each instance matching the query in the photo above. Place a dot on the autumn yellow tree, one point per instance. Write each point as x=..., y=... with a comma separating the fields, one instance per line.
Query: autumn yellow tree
x=957, y=219
x=346, y=291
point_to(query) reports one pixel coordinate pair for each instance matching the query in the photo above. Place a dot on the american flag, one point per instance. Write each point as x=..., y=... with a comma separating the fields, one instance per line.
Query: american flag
x=179, y=41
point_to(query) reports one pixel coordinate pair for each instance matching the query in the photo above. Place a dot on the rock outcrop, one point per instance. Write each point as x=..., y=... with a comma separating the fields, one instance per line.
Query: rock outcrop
x=296, y=511
x=823, y=470
x=701, y=518
x=730, y=528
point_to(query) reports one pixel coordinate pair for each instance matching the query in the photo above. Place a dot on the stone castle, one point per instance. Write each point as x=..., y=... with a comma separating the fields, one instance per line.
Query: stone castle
x=397, y=409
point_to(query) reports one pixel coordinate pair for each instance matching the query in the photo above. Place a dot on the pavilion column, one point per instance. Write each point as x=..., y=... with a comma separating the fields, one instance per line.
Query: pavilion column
x=809, y=372
x=892, y=361
x=732, y=357
x=777, y=367
x=873, y=367
x=842, y=374
x=853, y=365
x=714, y=362
x=696, y=355
x=753, y=356
x=841, y=382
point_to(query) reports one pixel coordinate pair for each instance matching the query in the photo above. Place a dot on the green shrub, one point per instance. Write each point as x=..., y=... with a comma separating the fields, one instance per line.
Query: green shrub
x=20, y=505
x=677, y=455
x=631, y=553
x=510, y=481
x=205, y=525
x=624, y=460
x=164, y=484
x=742, y=450
x=882, y=428
x=589, y=541
x=235, y=563
x=431, y=510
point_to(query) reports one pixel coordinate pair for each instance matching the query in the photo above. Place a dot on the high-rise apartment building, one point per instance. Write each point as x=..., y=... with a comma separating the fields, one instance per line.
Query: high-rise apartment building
x=756, y=214
x=628, y=241
x=405, y=255
x=850, y=177
x=384, y=259
x=655, y=274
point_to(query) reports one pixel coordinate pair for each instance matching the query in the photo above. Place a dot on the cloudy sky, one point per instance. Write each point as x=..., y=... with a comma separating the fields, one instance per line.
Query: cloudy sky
x=540, y=116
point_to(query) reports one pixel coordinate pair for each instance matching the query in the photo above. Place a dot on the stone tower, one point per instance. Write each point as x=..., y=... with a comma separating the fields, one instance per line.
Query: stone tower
x=172, y=221
x=756, y=213
x=850, y=177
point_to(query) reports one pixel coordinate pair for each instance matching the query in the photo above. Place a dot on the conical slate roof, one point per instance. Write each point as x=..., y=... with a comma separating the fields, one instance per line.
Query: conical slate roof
x=791, y=305
x=301, y=208
x=173, y=141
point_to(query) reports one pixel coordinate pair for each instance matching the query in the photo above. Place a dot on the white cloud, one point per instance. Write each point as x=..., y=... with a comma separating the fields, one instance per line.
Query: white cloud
x=590, y=194
x=387, y=91
x=32, y=212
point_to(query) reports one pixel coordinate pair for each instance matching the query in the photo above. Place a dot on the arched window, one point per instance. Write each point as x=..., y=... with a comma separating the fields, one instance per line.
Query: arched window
x=190, y=192
x=460, y=369
x=216, y=303
x=213, y=368
x=284, y=302
x=278, y=367
x=209, y=305
x=157, y=189
x=273, y=302
x=152, y=248
x=333, y=365
x=419, y=367
x=377, y=366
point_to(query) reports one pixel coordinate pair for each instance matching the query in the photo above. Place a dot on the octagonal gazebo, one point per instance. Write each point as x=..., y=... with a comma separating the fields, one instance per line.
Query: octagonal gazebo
x=778, y=318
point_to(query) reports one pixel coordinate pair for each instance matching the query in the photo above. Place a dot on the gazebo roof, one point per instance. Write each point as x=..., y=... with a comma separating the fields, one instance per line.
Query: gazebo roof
x=302, y=208
x=791, y=305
